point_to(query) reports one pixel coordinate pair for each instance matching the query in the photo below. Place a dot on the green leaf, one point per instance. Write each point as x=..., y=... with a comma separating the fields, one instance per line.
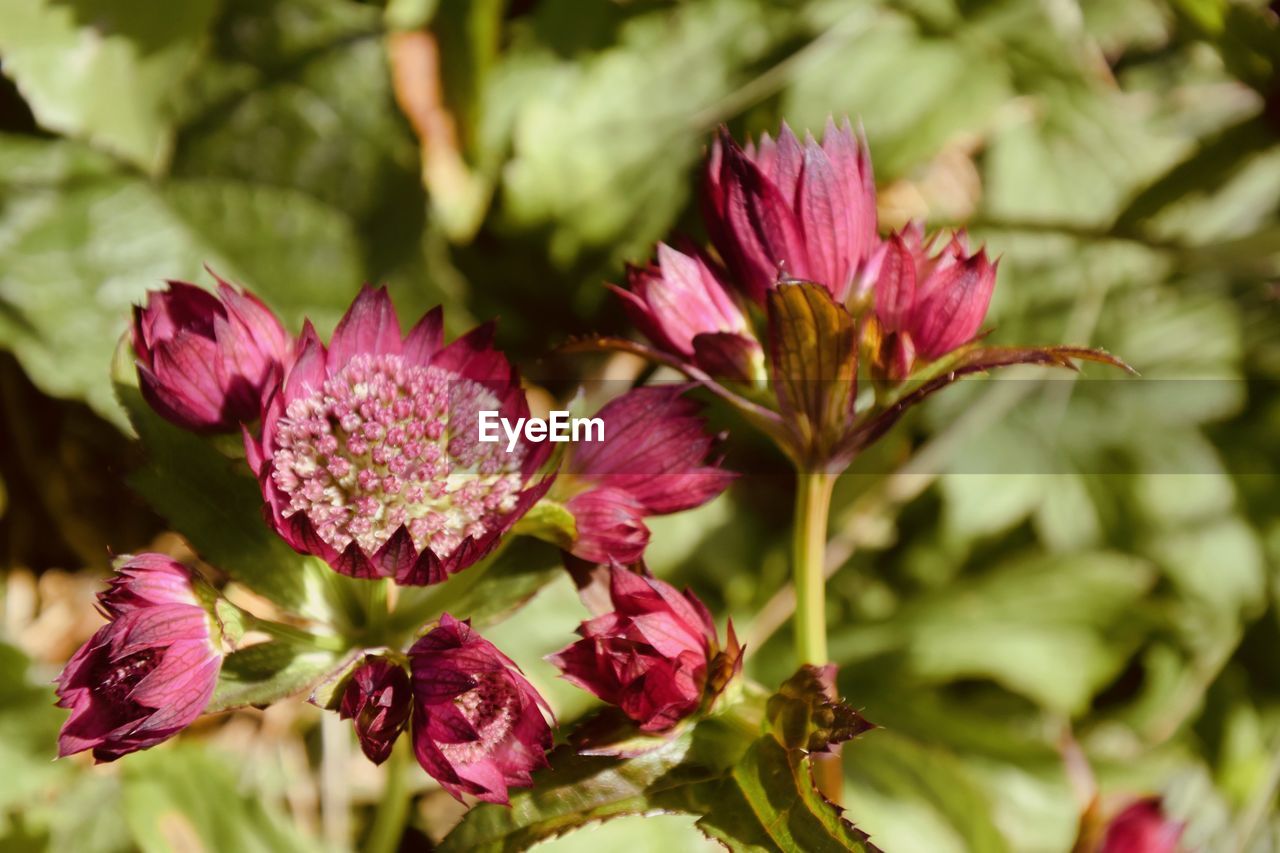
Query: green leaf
x=216, y=503
x=577, y=790
x=104, y=72
x=184, y=798
x=752, y=792
x=267, y=672
x=74, y=258
x=769, y=803
x=551, y=522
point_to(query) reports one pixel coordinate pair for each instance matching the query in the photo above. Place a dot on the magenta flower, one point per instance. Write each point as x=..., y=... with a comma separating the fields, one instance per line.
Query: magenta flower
x=681, y=304
x=378, y=697
x=652, y=461
x=784, y=210
x=369, y=455
x=929, y=305
x=149, y=672
x=655, y=656
x=1142, y=828
x=204, y=361
x=478, y=725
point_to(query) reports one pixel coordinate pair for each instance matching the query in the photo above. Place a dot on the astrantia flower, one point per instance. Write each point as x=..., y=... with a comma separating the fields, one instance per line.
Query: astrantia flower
x=786, y=210
x=149, y=672
x=478, y=725
x=652, y=461
x=929, y=304
x=378, y=698
x=681, y=304
x=656, y=656
x=1142, y=828
x=204, y=361
x=369, y=455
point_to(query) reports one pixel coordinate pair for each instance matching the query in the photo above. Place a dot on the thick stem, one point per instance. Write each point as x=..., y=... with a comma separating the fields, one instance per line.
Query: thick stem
x=813, y=502
x=280, y=631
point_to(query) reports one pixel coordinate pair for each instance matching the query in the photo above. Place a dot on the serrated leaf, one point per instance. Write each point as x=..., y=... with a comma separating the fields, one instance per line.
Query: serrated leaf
x=104, y=72
x=216, y=503
x=577, y=790
x=267, y=672
x=769, y=803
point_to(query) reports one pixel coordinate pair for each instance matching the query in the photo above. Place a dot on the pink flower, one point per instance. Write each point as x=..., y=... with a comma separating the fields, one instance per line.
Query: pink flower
x=204, y=361
x=786, y=210
x=378, y=698
x=369, y=455
x=478, y=725
x=653, y=656
x=681, y=305
x=929, y=305
x=149, y=672
x=1142, y=828
x=652, y=461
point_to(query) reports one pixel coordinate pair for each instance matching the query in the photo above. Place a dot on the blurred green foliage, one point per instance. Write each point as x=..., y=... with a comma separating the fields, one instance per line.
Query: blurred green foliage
x=1020, y=560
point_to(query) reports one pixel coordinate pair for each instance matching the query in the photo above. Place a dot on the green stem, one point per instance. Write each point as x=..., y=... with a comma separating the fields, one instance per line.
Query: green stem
x=393, y=807
x=376, y=611
x=809, y=555
x=280, y=631
x=813, y=502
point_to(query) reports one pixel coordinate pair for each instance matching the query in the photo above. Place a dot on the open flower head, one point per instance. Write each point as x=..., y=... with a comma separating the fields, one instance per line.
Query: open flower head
x=784, y=209
x=149, y=672
x=369, y=455
x=478, y=725
x=653, y=461
x=656, y=656
x=205, y=360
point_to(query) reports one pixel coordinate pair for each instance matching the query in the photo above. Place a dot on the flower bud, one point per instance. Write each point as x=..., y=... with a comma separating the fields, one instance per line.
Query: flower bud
x=786, y=210
x=205, y=362
x=150, y=671
x=478, y=725
x=652, y=655
x=681, y=305
x=928, y=305
x=378, y=698
x=1142, y=828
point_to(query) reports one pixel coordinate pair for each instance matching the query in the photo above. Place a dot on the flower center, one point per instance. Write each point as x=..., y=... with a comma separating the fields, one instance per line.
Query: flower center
x=120, y=676
x=490, y=709
x=384, y=444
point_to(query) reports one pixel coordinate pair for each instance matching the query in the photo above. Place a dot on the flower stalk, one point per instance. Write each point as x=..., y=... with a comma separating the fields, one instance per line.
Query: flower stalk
x=813, y=505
